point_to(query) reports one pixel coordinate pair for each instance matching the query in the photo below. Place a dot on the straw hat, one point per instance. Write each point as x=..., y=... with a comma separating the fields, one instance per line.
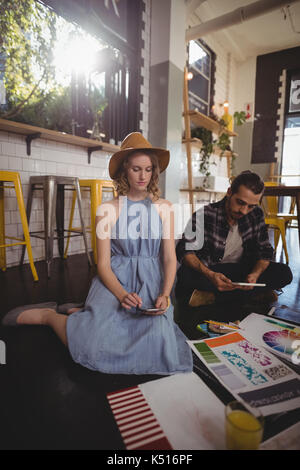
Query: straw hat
x=135, y=141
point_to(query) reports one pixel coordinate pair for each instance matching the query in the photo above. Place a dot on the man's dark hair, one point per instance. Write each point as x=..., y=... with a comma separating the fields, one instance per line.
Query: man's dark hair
x=249, y=179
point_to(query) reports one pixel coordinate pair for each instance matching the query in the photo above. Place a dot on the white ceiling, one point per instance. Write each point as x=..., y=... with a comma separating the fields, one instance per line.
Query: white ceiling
x=267, y=33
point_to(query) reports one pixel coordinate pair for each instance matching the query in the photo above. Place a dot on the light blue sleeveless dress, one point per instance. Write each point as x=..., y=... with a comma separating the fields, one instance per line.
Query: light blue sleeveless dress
x=106, y=337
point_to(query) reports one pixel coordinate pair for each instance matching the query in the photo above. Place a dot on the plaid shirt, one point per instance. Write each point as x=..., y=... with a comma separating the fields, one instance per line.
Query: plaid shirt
x=252, y=229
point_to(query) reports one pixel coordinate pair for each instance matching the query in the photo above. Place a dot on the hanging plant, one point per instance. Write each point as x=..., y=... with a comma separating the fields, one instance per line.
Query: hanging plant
x=223, y=143
x=206, y=150
x=232, y=164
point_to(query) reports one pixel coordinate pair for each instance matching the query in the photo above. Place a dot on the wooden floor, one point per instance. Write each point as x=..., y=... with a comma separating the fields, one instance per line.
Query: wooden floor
x=70, y=281
x=288, y=305
x=48, y=401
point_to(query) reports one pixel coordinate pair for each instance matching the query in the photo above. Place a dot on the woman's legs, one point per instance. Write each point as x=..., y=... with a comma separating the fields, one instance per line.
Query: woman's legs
x=48, y=317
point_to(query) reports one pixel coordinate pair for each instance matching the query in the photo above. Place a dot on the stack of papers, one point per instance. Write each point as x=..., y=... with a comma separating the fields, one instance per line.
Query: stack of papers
x=252, y=374
x=180, y=412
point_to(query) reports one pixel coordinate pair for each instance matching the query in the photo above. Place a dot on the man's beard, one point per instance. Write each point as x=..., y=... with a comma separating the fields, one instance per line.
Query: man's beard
x=233, y=215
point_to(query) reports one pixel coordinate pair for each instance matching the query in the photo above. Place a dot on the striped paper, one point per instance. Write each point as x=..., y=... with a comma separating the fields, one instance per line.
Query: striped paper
x=137, y=423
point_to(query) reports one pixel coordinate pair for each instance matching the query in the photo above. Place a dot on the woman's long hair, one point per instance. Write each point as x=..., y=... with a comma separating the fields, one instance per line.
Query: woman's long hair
x=121, y=181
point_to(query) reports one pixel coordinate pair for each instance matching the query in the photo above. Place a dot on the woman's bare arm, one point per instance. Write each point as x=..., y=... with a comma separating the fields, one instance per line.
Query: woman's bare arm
x=104, y=223
x=168, y=253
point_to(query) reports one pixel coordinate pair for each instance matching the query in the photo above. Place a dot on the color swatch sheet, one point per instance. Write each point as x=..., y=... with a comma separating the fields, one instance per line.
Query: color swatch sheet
x=176, y=412
x=277, y=336
x=250, y=373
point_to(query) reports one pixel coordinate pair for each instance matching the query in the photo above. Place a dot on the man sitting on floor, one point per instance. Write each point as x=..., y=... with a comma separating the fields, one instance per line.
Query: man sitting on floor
x=236, y=248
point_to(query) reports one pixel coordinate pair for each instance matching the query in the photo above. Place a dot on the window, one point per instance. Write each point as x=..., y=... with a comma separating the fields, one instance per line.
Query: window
x=201, y=61
x=118, y=24
x=72, y=66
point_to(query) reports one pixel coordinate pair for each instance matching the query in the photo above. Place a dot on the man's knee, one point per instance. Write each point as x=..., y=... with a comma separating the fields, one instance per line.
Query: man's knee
x=187, y=280
x=281, y=274
x=287, y=275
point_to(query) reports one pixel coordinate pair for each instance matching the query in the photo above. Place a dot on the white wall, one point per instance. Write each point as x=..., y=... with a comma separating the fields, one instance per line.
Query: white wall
x=245, y=90
x=47, y=158
x=245, y=93
x=225, y=75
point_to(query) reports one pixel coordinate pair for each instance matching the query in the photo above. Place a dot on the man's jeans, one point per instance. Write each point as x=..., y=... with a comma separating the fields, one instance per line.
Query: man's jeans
x=276, y=276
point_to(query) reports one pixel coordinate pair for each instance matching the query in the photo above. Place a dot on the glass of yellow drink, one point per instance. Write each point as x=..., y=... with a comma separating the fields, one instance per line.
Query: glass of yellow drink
x=244, y=429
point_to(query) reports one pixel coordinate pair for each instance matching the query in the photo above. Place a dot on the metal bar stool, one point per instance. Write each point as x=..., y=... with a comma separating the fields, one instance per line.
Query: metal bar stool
x=96, y=188
x=14, y=177
x=53, y=193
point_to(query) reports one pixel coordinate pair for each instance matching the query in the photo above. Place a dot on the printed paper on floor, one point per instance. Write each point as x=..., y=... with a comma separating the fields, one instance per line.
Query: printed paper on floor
x=250, y=373
x=277, y=336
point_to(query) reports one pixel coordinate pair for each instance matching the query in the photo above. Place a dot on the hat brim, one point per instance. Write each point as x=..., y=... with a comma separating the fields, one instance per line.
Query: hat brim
x=163, y=156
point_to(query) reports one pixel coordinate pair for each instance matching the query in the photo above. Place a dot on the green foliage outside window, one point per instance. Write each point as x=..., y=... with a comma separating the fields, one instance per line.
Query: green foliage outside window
x=34, y=95
x=27, y=35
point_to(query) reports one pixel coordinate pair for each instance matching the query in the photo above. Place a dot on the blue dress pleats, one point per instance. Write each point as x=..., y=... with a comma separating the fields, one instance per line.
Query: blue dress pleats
x=106, y=337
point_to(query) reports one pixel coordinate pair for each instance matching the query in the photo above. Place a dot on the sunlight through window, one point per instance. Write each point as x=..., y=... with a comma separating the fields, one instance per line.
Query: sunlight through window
x=75, y=51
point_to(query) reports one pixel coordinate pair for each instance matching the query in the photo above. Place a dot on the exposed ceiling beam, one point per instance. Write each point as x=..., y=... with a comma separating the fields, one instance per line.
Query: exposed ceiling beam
x=234, y=17
x=226, y=35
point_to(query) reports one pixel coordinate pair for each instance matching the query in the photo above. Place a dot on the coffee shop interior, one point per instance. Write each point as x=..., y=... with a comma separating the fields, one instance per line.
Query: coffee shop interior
x=217, y=83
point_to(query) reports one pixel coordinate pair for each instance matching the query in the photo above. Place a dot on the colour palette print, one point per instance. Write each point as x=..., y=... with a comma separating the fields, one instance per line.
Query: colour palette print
x=250, y=373
x=277, y=336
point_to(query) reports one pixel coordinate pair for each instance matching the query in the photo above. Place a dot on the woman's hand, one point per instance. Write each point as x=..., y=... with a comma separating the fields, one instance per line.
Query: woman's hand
x=131, y=299
x=162, y=302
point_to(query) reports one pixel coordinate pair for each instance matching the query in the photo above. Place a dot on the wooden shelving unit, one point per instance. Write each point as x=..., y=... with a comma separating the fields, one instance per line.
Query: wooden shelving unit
x=194, y=142
x=34, y=132
x=204, y=121
x=200, y=120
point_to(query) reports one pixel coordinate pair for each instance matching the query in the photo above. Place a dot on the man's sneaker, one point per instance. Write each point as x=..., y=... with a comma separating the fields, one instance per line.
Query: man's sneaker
x=201, y=297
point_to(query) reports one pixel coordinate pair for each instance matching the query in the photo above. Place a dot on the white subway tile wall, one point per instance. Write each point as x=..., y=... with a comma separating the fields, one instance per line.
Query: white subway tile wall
x=47, y=158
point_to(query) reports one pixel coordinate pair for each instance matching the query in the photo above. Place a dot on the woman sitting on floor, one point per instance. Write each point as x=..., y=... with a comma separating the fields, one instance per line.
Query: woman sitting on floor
x=112, y=333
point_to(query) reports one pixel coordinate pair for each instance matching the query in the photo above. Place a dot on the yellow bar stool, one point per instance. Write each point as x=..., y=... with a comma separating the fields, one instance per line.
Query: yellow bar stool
x=275, y=220
x=14, y=178
x=96, y=188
